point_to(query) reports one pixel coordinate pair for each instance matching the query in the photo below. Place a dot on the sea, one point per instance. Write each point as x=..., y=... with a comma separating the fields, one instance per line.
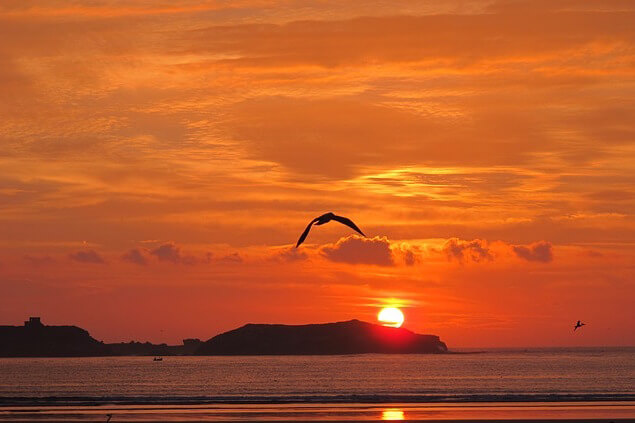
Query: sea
x=534, y=383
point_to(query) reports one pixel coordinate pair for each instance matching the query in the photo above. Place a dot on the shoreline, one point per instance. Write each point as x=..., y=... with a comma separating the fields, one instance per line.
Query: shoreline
x=432, y=412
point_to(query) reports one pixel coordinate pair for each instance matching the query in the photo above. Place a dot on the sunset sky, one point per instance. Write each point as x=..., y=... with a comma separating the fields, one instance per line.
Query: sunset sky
x=159, y=159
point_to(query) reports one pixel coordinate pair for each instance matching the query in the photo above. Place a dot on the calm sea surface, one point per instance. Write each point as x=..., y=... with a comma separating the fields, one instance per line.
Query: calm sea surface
x=536, y=375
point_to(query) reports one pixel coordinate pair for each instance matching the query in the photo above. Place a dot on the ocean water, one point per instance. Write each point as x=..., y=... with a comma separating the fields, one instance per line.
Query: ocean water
x=533, y=375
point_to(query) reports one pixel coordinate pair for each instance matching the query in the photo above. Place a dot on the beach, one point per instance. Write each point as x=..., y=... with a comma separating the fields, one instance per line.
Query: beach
x=468, y=412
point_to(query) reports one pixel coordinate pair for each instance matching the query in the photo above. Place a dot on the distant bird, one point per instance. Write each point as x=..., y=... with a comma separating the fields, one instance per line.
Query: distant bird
x=325, y=218
x=578, y=325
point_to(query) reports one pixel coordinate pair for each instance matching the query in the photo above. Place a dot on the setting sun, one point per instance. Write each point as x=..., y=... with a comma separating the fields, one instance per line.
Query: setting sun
x=391, y=316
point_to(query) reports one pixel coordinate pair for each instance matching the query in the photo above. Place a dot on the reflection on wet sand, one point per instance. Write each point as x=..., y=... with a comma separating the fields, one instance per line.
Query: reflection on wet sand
x=433, y=412
x=392, y=414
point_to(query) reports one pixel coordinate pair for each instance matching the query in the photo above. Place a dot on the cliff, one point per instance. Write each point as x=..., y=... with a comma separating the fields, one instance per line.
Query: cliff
x=38, y=340
x=351, y=337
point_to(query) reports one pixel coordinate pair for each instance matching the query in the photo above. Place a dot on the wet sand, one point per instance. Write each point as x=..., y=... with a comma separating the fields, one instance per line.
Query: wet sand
x=623, y=411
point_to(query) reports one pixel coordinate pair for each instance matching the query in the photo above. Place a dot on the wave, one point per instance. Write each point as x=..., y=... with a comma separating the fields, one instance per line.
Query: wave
x=309, y=399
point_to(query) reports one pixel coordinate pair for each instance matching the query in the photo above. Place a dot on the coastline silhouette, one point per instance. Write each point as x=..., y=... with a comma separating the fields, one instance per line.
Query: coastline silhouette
x=35, y=339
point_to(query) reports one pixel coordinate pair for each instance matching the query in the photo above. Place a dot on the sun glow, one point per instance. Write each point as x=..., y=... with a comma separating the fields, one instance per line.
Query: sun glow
x=391, y=316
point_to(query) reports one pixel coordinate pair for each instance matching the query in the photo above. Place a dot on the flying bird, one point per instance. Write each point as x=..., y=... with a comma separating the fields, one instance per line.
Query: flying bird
x=578, y=325
x=326, y=218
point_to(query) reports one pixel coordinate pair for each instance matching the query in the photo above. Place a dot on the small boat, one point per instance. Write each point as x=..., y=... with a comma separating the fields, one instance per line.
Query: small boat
x=158, y=359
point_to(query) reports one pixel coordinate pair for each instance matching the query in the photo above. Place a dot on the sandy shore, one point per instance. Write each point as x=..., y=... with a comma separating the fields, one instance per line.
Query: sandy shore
x=467, y=412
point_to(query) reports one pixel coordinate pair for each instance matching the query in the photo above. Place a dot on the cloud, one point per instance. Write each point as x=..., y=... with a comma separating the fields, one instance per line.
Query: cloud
x=88, y=256
x=476, y=250
x=231, y=258
x=592, y=254
x=337, y=136
x=539, y=251
x=289, y=254
x=38, y=260
x=169, y=252
x=135, y=256
x=460, y=38
x=409, y=258
x=357, y=250
x=406, y=253
x=531, y=6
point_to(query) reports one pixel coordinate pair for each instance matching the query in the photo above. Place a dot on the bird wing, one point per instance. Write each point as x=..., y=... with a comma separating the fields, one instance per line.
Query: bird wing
x=348, y=222
x=306, y=232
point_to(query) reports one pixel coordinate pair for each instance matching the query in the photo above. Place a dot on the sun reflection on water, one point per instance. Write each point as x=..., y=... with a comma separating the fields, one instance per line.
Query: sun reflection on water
x=392, y=414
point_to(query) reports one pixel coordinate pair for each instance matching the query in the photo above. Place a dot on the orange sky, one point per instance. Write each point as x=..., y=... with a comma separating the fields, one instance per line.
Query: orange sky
x=159, y=161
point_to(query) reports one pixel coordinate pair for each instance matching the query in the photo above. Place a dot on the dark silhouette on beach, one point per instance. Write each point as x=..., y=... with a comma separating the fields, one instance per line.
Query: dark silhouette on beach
x=579, y=324
x=326, y=218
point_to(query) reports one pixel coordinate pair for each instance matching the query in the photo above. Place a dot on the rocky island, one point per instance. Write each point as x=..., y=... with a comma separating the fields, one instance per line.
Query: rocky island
x=35, y=339
x=350, y=337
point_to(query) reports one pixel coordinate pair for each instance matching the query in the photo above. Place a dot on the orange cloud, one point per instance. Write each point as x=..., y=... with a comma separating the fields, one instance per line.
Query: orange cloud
x=39, y=260
x=539, y=251
x=358, y=250
x=378, y=251
x=459, y=39
x=88, y=256
x=135, y=256
x=289, y=254
x=170, y=252
x=476, y=250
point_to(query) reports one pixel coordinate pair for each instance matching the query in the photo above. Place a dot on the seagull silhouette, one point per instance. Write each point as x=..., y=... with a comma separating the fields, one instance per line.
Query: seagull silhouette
x=578, y=325
x=326, y=218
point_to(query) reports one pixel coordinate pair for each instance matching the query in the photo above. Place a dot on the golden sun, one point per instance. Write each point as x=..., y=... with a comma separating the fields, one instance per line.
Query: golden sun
x=391, y=316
